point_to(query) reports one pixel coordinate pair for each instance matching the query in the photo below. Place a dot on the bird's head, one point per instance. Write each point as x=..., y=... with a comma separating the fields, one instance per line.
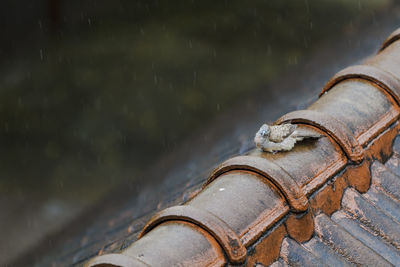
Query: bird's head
x=264, y=131
x=262, y=134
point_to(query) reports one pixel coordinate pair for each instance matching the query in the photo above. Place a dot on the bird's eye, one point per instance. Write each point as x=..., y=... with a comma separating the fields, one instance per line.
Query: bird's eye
x=263, y=133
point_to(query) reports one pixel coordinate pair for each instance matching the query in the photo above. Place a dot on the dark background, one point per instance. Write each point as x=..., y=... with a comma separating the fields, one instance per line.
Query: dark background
x=94, y=92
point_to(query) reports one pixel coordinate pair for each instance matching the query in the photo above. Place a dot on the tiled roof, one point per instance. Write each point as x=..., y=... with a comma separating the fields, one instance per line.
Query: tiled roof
x=330, y=201
x=365, y=231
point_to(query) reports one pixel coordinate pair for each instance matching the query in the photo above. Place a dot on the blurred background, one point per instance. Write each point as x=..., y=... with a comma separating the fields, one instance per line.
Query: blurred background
x=92, y=93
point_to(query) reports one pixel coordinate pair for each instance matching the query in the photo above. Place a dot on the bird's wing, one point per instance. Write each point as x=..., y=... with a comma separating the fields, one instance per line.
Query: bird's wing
x=303, y=132
x=280, y=132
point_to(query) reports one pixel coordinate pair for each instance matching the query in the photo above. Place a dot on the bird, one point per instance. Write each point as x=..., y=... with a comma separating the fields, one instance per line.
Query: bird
x=281, y=137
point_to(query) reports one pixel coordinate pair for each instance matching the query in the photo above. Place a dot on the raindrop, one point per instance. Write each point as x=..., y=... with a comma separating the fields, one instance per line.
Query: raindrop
x=98, y=104
x=305, y=41
x=307, y=7
x=41, y=54
x=221, y=189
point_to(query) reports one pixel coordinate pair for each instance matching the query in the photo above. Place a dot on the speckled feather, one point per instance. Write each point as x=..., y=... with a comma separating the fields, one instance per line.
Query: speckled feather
x=281, y=137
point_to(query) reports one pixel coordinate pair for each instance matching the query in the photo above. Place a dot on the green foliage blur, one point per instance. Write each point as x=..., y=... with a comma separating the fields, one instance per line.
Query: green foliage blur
x=120, y=83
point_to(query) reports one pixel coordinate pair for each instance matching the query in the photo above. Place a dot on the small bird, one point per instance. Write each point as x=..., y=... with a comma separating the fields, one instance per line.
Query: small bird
x=281, y=137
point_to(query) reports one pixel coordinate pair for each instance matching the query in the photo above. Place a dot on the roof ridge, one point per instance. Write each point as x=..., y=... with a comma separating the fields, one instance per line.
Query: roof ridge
x=358, y=111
